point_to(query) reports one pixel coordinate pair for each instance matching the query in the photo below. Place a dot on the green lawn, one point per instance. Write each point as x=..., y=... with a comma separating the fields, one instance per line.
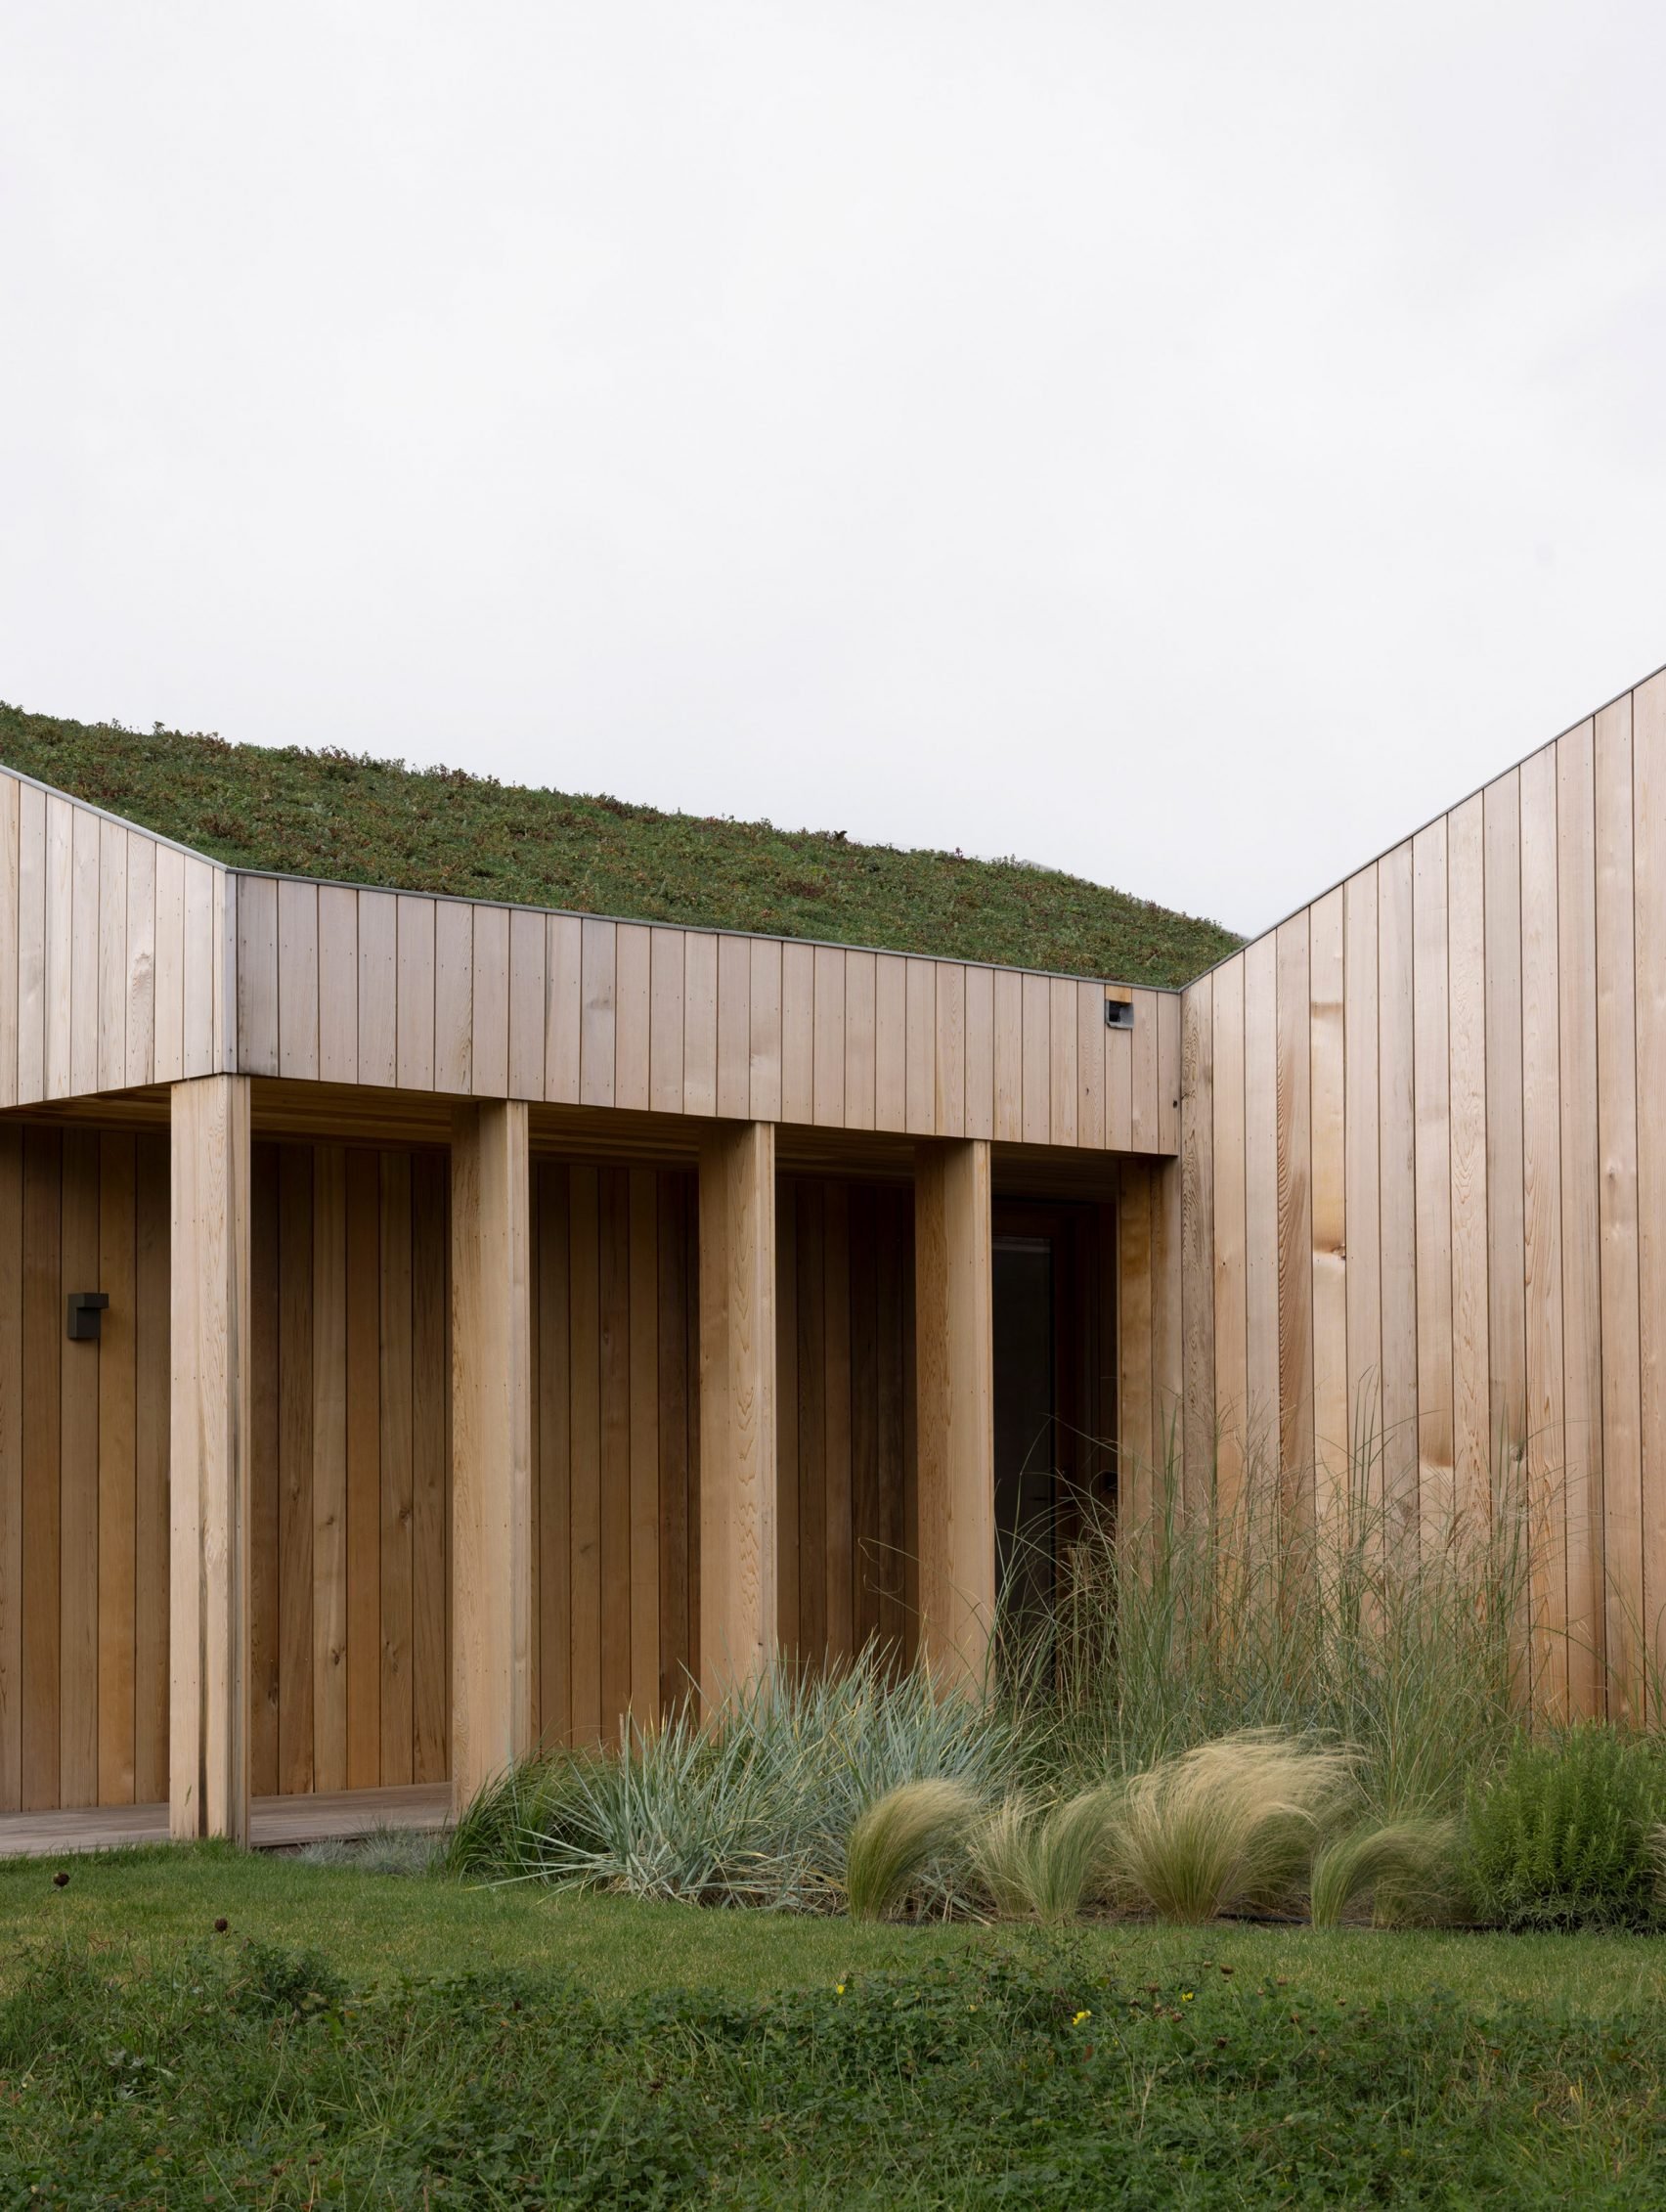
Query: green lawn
x=377, y=821
x=366, y=2040
x=372, y=1924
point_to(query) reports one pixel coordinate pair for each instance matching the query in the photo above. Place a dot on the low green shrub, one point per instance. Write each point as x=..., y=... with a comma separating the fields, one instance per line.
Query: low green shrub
x=1562, y=1835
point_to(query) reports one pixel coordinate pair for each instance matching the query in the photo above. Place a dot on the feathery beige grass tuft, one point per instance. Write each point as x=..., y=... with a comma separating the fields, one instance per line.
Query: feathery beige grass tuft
x=891, y=1839
x=1044, y=1865
x=1399, y=1860
x=1232, y=1822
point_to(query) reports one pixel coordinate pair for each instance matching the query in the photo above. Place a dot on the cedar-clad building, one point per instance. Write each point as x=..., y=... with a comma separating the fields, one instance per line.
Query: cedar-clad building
x=430, y=1328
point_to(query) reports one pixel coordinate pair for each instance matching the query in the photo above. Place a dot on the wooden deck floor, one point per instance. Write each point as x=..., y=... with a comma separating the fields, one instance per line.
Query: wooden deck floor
x=278, y=1822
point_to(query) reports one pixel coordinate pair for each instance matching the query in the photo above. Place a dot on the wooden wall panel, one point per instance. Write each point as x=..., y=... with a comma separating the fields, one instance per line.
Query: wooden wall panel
x=798, y=1031
x=112, y=956
x=1648, y=784
x=125, y=960
x=1295, y=1210
x=1617, y=1213
x=1507, y=1294
x=763, y=1010
x=351, y=1471
x=265, y=1481
x=1467, y=1018
x=1231, y=1280
x=83, y=1454
x=299, y=968
x=828, y=1093
x=563, y=1017
x=1197, y=1225
x=598, y=948
x=699, y=1022
x=86, y=836
x=10, y=948
x=843, y=1315
x=1396, y=1137
x=462, y=998
x=31, y=943
x=1261, y=1201
x=378, y=986
x=1328, y=1069
x=338, y=984
x=1361, y=1124
x=1138, y=1439
x=1431, y=1145
x=1485, y=1023
x=1541, y=1153
x=11, y=1578
x=735, y=1030
x=60, y=974
x=330, y=1467
x=78, y=1487
x=614, y=1259
x=489, y=1007
x=453, y=995
x=1580, y=1259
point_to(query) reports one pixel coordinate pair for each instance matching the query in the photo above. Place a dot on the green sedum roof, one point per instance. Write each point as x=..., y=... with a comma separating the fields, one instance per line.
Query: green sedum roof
x=363, y=820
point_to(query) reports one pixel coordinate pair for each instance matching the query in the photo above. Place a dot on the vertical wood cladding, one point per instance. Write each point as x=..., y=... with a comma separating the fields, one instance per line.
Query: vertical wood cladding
x=83, y=1470
x=1469, y=1250
x=374, y=987
x=615, y=1445
x=845, y=1332
x=350, y=1453
x=350, y=1513
x=127, y=960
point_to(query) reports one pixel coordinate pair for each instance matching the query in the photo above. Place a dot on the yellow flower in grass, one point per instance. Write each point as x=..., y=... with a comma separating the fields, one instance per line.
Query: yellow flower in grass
x=1080, y=2016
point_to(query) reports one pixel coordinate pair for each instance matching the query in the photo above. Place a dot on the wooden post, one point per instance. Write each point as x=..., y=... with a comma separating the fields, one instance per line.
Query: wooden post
x=954, y=1408
x=209, y=1465
x=738, y=1407
x=491, y=1444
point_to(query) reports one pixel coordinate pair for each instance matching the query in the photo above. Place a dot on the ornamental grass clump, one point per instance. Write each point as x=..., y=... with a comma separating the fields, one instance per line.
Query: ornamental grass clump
x=1398, y=1864
x=1230, y=1823
x=754, y=1807
x=1564, y=1835
x=892, y=1841
x=1047, y=1865
x=1199, y=1610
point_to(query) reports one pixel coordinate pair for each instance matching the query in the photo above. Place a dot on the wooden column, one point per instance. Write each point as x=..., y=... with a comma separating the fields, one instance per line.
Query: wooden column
x=209, y=1422
x=738, y=1407
x=954, y=1408
x=491, y=1444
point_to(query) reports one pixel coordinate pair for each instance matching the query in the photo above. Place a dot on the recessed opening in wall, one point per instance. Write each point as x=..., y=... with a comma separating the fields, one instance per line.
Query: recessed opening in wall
x=1025, y=1476
x=1054, y=1390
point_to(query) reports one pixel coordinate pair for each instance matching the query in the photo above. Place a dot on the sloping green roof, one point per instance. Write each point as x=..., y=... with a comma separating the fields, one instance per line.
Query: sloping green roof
x=363, y=820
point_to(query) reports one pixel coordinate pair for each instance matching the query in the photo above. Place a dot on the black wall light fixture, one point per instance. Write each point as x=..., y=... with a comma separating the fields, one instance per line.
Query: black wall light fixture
x=85, y=1307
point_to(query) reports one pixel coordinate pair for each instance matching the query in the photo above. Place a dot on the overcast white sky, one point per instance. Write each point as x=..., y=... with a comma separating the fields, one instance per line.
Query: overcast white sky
x=1186, y=445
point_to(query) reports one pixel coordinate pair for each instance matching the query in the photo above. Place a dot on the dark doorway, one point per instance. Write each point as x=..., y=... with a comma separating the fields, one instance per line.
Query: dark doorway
x=1026, y=1475
x=1053, y=1389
